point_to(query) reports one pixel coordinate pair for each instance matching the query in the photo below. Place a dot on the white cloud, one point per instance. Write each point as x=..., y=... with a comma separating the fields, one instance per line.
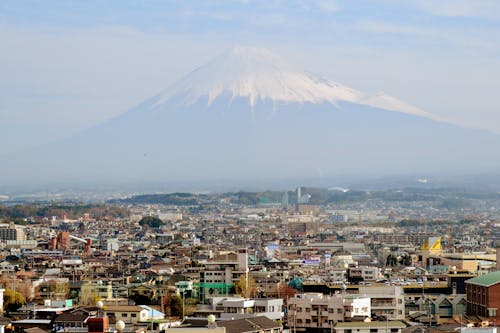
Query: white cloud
x=461, y=8
x=329, y=6
x=387, y=27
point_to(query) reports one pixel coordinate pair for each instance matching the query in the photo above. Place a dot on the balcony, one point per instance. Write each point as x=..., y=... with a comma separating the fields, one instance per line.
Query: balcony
x=383, y=305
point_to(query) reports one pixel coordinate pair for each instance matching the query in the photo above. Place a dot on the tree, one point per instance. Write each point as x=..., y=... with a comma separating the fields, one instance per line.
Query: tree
x=176, y=306
x=285, y=291
x=13, y=300
x=296, y=283
x=245, y=289
x=151, y=221
x=88, y=294
x=391, y=260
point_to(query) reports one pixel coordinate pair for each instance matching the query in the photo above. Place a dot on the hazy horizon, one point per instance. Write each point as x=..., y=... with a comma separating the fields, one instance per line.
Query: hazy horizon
x=72, y=66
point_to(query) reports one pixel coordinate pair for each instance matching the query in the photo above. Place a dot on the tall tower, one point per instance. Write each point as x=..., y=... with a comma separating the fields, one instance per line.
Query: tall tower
x=284, y=200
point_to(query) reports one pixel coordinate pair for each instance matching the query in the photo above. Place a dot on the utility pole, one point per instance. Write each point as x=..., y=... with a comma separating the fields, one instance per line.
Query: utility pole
x=430, y=314
x=183, y=292
x=152, y=319
x=387, y=322
x=294, y=319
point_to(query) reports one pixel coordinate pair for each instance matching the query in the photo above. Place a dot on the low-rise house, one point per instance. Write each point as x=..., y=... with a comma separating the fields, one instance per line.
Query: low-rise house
x=259, y=324
x=129, y=314
x=226, y=308
x=370, y=327
x=448, y=306
x=76, y=318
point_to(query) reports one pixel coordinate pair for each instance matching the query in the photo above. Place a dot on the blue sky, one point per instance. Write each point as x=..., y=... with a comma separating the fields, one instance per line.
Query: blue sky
x=67, y=65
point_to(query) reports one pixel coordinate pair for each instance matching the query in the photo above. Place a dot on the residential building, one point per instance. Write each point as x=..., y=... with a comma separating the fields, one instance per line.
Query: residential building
x=220, y=275
x=370, y=327
x=259, y=324
x=363, y=273
x=129, y=314
x=385, y=301
x=248, y=308
x=92, y=291
x=11, y=232
x=227, y=308
x=318, y=311
x=483, y=296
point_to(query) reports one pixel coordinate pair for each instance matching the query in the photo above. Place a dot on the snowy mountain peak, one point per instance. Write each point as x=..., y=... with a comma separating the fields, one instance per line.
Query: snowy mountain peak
x=257, y=74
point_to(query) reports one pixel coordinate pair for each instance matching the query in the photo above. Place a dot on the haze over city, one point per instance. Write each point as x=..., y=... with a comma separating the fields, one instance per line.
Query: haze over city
x=71, y=67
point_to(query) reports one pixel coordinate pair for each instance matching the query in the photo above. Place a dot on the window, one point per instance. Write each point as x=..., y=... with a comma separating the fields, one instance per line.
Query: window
x=330, y=310
x=133, y=315
x=124, y=315
x=308, y=309
x=373, y=330
x=339, y=310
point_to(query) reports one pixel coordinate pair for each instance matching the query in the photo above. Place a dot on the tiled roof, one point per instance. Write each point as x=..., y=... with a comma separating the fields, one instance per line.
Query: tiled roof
x=123, y=308
x=371, y=324
x=248, y=325
x=486, y=280
x=71, y=317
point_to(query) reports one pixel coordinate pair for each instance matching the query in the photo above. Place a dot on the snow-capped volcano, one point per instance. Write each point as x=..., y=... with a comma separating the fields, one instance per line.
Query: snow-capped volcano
x=257, y=74
x=249, y=115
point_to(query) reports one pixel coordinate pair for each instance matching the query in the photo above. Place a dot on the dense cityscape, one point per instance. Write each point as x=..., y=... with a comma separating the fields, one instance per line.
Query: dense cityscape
x=303, y=260
x=249, y=166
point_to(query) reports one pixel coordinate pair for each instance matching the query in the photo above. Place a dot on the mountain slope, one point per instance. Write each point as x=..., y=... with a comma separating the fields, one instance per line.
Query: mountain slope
x=249, y=115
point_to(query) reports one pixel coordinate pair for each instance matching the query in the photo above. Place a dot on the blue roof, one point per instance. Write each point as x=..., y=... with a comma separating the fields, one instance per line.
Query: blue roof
x=155, y=313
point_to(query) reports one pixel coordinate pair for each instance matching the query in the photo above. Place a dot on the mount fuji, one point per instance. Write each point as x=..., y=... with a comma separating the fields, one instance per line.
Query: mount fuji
x=247, y=115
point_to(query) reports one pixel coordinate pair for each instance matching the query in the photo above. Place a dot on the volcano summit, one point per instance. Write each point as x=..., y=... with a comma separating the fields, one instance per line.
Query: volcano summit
x=247, y=115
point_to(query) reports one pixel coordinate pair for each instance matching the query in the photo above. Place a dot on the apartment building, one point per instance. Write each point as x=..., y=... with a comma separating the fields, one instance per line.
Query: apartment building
x=249, y=308
x=11, y=232
x=227, y=308
x=385, y=301
x=219, y=275
x=363, y=273
x=319, y=311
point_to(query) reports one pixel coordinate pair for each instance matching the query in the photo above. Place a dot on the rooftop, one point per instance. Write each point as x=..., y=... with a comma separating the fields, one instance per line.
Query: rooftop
x=486, y=280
